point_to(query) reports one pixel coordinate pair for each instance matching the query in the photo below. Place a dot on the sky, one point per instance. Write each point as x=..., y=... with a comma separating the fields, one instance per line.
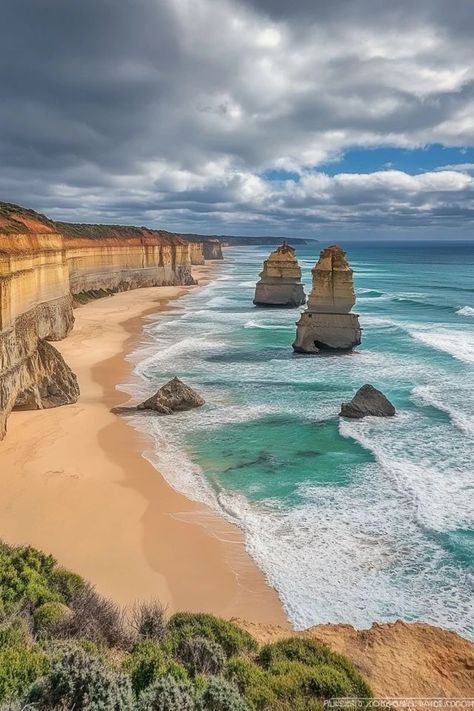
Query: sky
x=302, y=118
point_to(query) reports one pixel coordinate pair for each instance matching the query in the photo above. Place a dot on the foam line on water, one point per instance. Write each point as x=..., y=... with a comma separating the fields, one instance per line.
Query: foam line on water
x=452, y=400
x=459, y=344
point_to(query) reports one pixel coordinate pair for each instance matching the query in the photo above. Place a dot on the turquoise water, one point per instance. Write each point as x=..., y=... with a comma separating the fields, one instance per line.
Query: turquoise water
x=350, y=521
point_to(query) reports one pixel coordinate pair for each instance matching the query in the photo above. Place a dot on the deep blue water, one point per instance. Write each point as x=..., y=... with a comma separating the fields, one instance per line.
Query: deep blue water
x=350, y=521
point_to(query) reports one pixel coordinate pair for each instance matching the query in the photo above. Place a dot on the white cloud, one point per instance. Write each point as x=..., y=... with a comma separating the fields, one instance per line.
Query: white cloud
x=177, y=108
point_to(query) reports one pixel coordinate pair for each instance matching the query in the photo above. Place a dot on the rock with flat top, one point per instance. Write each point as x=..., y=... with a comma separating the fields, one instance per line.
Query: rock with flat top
x=174, y=396
x=328, y=323
x=280, y=281
x=367, y=401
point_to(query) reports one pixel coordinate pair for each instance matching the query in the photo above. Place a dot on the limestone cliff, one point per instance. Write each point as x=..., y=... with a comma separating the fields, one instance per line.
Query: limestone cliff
x=35, y=304
x=44, y=265
x=212, y=249
x=280, y=281
x=327, y=323
x=118, y=258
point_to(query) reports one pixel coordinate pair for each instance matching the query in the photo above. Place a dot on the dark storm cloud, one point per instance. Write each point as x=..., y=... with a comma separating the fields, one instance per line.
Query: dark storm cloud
x=165, y=111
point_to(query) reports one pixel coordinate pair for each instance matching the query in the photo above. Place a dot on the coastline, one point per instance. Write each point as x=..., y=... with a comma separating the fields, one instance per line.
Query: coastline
x=74, y=483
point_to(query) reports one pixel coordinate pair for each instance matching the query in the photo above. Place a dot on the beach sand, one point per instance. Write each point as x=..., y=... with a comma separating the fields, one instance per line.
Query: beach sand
x=74, y=483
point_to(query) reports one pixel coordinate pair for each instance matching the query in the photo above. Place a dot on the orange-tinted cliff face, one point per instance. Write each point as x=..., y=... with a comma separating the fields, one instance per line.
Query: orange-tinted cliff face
x=43, y=265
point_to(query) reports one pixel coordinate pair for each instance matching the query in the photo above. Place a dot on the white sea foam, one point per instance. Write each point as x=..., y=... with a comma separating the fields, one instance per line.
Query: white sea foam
x=268, y=326
x=465, y=311
x=451, y=399
x=459, y=344
x=432, y=472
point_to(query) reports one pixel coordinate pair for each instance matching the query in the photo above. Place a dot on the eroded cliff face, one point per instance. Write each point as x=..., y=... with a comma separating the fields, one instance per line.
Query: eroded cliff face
x=44, y=267
x=35, y=304
x=116, y=258
x=212, y=249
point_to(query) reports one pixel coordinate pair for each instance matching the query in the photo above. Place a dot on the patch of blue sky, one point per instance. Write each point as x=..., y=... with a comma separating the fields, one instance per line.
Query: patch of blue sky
x=369, y=160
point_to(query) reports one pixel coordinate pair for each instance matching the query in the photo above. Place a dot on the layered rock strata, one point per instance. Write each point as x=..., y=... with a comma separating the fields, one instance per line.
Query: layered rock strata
x=280, y=281
x=327, y=323
x=118, y=258
x=44, y=266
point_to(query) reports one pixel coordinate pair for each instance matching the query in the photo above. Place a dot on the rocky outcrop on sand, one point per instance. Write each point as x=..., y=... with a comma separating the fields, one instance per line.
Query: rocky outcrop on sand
x=172, y=397
x=398, y=659
x=280, y=281
x=327, y=323
x=368, y=401
x=52, y=381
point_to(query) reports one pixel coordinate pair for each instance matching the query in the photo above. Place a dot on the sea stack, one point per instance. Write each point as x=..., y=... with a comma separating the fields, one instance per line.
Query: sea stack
x=280, y=281
x=327, y=323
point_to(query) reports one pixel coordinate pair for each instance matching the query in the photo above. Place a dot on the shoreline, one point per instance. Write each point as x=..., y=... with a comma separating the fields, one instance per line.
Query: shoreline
x=74, y=482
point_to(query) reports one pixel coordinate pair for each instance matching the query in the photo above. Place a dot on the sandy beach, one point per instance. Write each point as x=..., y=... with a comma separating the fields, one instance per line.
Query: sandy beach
x=74, y=483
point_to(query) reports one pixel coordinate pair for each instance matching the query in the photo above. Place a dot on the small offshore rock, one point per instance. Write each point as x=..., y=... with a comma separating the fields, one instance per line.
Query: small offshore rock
x=367, y=401
x=174, y=396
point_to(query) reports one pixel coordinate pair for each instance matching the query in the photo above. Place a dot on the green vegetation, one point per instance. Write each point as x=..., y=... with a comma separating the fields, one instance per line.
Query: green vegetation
x=83, y=297
x=63, y=646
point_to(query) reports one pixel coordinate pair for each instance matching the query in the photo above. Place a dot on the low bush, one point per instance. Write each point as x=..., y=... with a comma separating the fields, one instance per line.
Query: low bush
x=49, y=617
x=16, y=632
x=149, y=620
x=19, y=668
x=252, y=681
x=148, y=662
x=97, y=619
x=221, y=695
x=201, y=656
x=232, y=639
x=168, y=694
x=26, y=578
x=84, y=683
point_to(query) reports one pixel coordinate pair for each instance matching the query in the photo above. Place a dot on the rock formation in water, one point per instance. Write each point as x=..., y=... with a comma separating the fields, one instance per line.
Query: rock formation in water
x=280, y=281
x=327, y=323
x=45, y=268
x=172, y=397
x=367, y=401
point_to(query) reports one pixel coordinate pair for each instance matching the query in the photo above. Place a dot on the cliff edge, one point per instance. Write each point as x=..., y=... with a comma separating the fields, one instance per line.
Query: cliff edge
x=399, y=659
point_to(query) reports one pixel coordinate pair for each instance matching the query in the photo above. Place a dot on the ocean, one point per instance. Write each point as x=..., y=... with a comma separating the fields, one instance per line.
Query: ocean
x=351, y=521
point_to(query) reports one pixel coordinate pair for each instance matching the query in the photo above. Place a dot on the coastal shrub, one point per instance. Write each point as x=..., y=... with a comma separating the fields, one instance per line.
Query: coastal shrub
x=82, y=682
x=221, y=695
x=95, y=618
x=68, y=585
x=314, y=654
x=15, y=632
x=19, y=668
x=252, y=681
x=49, y=617
x=149, y=620
x=201, y=655
x=167, y=694
x=148, y=662
x=232, y=639
x=25, y=578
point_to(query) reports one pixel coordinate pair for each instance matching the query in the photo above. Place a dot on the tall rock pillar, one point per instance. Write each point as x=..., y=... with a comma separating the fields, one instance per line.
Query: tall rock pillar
x=280, y=281
x=327, y=323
